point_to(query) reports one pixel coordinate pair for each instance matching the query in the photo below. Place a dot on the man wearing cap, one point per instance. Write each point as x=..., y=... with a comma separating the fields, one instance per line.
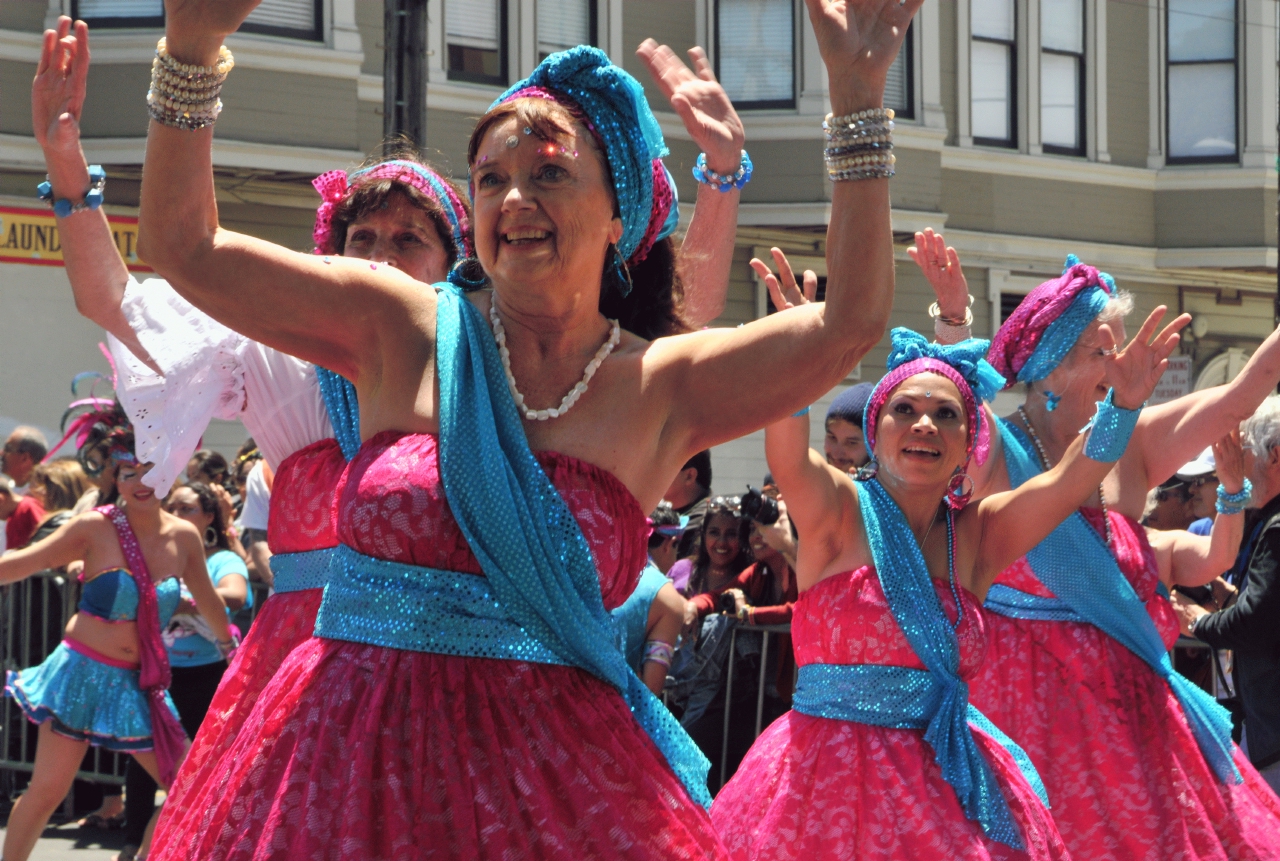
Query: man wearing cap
x=844, y=446
x=1201, y=478
x=1251, y=626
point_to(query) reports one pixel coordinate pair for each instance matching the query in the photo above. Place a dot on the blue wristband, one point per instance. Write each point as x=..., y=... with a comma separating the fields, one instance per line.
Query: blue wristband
x=799, y=413
x=1234, y=503
x=723, y=182
x=92, y=198
x=1109, y=430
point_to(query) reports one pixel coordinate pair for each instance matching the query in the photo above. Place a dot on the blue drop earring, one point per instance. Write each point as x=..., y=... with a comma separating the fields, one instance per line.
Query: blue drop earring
x=1051, y=400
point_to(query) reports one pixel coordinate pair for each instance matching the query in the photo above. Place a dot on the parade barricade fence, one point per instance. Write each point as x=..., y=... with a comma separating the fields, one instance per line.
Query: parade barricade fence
x=768, y=633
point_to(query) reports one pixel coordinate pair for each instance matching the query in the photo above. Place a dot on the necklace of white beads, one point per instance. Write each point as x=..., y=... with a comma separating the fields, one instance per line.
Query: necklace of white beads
x=500, y=335
x=1044, y=460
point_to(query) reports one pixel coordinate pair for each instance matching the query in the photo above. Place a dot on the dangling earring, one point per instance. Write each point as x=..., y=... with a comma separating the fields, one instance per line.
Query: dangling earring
x=867, y=472
x=210, y=536
x=1051, y=400
x=622, y=271
x=959, y=489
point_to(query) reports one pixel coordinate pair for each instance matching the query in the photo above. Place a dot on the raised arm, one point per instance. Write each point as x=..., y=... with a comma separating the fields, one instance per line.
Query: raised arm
x=67, y=544
x=333, y=311
x=811, y=348
x=97, y=273
x=1015, y=521
x=940, y=265
x=706, y=254
x=1171, y=434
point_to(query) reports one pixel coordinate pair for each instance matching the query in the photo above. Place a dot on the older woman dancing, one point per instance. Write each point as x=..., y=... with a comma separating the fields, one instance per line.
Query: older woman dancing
x=1138, y=761
x=464, y=696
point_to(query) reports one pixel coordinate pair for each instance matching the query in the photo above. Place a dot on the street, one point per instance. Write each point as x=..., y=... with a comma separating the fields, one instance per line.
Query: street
x=63, y=842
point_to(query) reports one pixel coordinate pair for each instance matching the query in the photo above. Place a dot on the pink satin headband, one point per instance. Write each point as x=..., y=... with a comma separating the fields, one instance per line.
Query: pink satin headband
x=979, y=434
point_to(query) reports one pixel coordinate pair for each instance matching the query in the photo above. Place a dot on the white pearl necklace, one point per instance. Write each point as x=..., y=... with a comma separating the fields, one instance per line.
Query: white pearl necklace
x=1044, y=460
x=500, y=335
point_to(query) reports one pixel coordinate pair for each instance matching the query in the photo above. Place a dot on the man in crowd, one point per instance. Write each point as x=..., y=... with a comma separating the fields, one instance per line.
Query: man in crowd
x=844, y=446
x=24, y=448
x=1251, y=626
x=689, y=494
x=1169, y=506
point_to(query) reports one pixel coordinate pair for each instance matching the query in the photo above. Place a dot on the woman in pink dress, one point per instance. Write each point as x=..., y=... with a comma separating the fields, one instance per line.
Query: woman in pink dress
x=1138, y=762
x=180, y=368
x=464, y=696
x=881, y=724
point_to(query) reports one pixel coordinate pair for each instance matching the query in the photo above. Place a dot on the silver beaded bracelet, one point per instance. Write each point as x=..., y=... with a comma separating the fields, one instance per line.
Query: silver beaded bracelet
x=859, y=145
x=185, y=96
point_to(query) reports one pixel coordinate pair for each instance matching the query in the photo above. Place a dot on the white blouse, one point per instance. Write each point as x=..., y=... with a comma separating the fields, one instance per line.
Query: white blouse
x=209, y=371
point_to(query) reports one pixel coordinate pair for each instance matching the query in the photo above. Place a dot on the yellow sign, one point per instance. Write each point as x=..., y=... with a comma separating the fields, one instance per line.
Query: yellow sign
x=31, y=236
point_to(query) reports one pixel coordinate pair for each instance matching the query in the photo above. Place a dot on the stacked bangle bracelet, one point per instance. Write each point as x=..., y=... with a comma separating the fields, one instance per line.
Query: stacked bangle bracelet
x=722, y=181
x=859, y=145
x=184, y=96
x=1234, y=503
x=92, y=198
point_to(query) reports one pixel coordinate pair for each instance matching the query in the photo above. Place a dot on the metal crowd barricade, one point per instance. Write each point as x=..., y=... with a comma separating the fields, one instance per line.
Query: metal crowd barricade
x=765, y=631
x=1222, y=688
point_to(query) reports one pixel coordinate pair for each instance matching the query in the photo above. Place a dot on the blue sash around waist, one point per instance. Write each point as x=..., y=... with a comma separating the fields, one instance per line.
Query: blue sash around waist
x=899, y=698
x=418, y=609
x=1008, y=601
x=296, y=572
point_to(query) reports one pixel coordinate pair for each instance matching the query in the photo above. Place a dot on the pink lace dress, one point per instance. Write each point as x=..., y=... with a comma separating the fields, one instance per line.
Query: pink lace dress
x=1124, y=773
x=813, y=788
x=364, y=752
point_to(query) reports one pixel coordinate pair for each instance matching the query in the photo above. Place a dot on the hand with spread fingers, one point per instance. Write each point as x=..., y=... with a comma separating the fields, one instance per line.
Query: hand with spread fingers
x=783, y=290
x=57, y=93
x=701, y=102
x=941, y=267
x=859, y=42
x=1134, y=371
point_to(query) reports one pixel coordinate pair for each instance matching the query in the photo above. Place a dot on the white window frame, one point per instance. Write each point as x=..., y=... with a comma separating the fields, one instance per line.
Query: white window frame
x=1082, y=87
x=798, y=23
x=1238, y=66
x=317, y=34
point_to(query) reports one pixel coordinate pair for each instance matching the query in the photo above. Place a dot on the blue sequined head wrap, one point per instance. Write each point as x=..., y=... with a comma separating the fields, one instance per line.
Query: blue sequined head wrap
x=963, y=363
x=618, y=115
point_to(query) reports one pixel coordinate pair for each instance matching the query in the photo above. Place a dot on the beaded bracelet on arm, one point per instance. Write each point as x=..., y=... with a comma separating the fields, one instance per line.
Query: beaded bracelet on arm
x=859, y=145
x=950, y=330
x=658, y=652
x=185, y=96
x=1234, y=503
x=1109, y=430
x=92, y=198
x=724, y=181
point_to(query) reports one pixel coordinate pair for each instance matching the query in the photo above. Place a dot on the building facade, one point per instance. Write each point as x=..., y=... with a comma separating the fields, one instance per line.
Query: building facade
x=1138, y=134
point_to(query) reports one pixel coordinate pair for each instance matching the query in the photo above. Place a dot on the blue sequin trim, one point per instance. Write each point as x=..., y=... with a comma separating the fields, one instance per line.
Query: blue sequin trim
x=1017, y=604
x=296, y=572
x=1061, y=335
x=343, y=406
x=401, y=606
x=1109, y=430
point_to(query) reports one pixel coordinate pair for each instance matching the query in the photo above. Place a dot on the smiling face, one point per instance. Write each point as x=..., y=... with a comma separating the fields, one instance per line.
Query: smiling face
x=401, y=235
x=922, y=432
x=1081, y=377
x=131, y=489
x=183, y=503
x=722, y=539
x=543, y=208
x=844, y=446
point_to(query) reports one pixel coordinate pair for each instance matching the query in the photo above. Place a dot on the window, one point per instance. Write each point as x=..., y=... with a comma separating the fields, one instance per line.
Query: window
x=120, y=13
x=1062, y=76
x=755, y=52
x=898, y=91
x=563, y=24
x=476, y=34
x=1202, y=80
x=298, y=19
x=993, y=53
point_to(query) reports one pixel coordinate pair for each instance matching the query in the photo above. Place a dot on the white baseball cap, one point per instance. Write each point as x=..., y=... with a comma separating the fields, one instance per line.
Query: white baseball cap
x=1203, y=465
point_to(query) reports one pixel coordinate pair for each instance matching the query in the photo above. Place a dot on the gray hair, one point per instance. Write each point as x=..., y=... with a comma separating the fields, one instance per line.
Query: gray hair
x=1118, y=307
x=29, y=441
x=1261, y=431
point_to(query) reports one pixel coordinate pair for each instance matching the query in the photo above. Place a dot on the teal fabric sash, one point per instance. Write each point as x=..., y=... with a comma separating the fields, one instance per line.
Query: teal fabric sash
x=529, y=545
x=402, y=606
x=1075, y=563
x=296, y=572
x=937, y=699
x=343, y=406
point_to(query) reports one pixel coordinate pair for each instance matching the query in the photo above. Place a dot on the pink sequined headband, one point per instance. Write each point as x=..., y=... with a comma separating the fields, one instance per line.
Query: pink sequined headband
x=979, y=434
x=335, y=185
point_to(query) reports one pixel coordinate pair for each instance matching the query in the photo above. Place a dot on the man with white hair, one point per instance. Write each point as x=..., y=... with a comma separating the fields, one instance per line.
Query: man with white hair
x=1251, y=627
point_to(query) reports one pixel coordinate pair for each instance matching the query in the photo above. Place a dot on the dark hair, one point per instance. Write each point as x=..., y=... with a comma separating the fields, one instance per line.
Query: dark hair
x=369, y=195
x=209, y=505
x=702, y=463
x=248, y=455
x=111, y=431
x=655, y=305
x=209, y=466
x=663, y=515
x=702, y=562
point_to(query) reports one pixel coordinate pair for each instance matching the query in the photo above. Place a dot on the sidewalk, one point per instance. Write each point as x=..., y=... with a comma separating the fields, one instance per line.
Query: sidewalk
x=69, y=843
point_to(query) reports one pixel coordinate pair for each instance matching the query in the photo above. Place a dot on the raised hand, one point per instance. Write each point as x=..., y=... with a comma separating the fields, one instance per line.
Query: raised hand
x=783, y=289
x=57, y=92
x=1134, y=371
x=941, y=267
x=194, y=29
x=1228, y=459
x=858, y=40
x=701, y=102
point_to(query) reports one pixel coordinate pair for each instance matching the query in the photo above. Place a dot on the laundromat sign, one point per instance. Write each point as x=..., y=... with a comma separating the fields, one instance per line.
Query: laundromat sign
x=31, y=236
